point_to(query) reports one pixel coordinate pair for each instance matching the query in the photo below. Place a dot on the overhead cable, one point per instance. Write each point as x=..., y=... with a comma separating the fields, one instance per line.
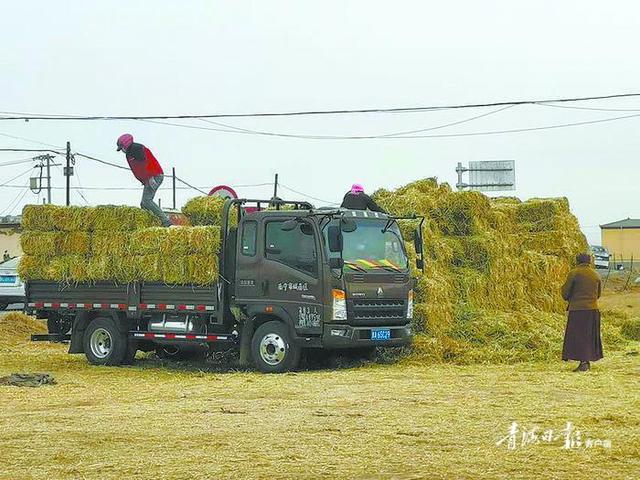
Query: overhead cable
x=58, y=117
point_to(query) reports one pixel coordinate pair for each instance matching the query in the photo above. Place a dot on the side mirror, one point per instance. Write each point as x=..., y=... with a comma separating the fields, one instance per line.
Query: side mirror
x=347, y=225
x=336, y=263
x=417, y=241
x=335, y=238
x=289, y=225
x=420, y=264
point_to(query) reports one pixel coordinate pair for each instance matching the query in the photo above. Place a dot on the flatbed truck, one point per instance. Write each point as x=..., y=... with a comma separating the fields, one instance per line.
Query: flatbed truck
x=291, y=278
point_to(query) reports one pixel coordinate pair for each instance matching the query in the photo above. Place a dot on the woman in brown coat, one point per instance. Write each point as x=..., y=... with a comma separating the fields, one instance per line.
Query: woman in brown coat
x=582, y=336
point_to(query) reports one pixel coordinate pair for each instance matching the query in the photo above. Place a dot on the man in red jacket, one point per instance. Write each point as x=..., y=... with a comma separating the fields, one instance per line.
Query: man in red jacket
x=147, y=170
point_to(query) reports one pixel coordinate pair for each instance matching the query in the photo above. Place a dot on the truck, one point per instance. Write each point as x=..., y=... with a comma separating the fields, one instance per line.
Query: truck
x=292, y=279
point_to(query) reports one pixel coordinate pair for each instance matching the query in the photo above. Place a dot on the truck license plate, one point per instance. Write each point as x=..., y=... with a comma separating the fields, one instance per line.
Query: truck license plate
x=381, y=334
x=8, y=279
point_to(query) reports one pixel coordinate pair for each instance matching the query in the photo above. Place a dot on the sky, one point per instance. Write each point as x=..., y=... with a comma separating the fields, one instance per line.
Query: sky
x=162, y=57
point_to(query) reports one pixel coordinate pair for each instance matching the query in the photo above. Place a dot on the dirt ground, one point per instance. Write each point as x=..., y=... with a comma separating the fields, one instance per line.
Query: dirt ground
x=167, y=420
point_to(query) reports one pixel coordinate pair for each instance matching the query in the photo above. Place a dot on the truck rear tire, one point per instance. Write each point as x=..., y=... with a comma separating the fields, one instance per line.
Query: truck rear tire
x=104, y=344
x=273, y=349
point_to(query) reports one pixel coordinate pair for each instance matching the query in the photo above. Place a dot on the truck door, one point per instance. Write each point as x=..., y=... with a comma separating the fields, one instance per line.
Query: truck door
x=291, y=275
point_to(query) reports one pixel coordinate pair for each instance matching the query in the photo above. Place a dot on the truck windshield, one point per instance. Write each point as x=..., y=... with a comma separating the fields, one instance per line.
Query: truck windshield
x=371, y=247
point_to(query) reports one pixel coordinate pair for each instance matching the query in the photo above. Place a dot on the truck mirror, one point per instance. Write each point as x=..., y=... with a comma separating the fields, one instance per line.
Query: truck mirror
x=337, y=263
x=347, y=225
x=417, y=241
x=419, y=263
x=289, y=225
x=335, y=238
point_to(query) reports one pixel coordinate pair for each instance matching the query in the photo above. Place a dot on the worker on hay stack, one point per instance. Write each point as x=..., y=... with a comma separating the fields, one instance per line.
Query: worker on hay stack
x=356, y=199
x=582, y=289
x=147, y=170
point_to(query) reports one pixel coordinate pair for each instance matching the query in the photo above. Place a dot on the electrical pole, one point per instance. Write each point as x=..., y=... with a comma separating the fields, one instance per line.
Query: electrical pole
x=48, y=158
x=275, y=187
x=174, y=187
x=68, y=172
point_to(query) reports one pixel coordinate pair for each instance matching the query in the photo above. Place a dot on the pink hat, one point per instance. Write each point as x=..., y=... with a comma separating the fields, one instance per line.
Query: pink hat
x=124, y=141
x=357, y=188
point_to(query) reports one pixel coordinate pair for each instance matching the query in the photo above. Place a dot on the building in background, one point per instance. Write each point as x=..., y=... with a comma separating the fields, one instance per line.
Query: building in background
x=10, y=231
x=622, y=239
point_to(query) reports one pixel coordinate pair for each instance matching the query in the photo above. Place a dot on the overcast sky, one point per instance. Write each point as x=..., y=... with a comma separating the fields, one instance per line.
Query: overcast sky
x=198, y=57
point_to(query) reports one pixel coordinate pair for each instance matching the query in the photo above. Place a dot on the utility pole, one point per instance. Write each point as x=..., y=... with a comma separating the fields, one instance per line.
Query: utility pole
x=36, y=182
x=174, y=187
x=275, y=187
x=48, y=158
x=68, y=171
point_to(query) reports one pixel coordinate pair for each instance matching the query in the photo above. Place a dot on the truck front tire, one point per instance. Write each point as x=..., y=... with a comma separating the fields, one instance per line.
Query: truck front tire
x=273, y=349
x=104, y=344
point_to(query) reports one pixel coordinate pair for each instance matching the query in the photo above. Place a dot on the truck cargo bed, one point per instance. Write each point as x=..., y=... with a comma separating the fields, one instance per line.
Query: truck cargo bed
x=42, y=295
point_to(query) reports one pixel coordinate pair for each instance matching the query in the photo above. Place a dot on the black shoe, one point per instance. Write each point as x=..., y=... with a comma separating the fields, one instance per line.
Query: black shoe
x=583, y=367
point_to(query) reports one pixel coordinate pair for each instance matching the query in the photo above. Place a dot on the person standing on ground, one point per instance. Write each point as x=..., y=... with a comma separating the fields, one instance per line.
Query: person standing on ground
x=147, y=170
x=582, y=289
x=356, y=199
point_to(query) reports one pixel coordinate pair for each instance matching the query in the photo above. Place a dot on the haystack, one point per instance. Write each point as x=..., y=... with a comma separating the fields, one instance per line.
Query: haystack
x=114, y=243
x=493, y=270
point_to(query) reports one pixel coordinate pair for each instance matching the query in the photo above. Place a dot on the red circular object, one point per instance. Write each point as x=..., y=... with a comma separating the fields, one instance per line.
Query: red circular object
x=223, y=191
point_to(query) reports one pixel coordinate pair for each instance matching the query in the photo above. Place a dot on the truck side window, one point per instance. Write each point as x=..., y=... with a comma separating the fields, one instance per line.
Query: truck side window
x=295, y=248
x=248, y=241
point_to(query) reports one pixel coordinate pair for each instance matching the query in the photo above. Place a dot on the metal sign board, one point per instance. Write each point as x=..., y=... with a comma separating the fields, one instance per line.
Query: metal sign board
x=223, y=191
x=492, y=176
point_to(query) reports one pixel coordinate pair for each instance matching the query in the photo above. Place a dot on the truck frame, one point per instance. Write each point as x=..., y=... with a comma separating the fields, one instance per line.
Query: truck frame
x=286, y=284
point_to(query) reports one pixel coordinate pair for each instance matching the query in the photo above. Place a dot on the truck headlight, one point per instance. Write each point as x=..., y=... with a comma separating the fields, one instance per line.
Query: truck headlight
x=410, y=305
x=339, y=304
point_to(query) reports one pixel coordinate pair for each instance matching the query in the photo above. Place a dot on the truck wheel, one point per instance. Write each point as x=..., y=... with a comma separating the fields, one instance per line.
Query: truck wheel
x=273, y=349
x=104, y=344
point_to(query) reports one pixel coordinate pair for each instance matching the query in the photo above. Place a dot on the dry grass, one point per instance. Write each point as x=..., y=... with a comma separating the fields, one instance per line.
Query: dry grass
x=155, y=420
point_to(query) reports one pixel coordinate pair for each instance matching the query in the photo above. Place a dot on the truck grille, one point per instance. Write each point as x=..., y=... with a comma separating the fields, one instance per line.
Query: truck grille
x=377, y=312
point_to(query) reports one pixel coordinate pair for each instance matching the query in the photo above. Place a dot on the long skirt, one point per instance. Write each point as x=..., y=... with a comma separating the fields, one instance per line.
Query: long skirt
x=582, y=336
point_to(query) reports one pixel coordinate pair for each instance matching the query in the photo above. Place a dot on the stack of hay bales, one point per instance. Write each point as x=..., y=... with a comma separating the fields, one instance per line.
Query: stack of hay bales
x=114, y=243
x=493, y=271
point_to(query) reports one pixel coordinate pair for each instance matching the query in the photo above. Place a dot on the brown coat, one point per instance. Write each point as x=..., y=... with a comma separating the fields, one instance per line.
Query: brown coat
x=582, y=288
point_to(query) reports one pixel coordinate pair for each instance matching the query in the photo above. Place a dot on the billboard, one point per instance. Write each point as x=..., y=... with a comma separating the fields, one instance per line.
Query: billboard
x=492, y=176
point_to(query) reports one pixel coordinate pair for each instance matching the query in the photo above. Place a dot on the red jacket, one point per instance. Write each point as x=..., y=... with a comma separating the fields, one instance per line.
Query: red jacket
x=142, y=163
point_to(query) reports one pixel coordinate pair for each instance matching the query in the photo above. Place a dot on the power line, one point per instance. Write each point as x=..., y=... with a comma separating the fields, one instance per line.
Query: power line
x=17, y=162
x=43, y=116
x=518, y=130
x=29, y=150
x=307, y=195
x=29, y=140
x=328, y=137
x=104, y=162
x=18, y=198
x=597, y=109
x=16, y=177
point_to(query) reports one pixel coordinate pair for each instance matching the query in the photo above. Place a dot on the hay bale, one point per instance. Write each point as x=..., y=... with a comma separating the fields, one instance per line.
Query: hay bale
x=38, y=243
x=110, y=244
x=50, y=218
x=204, y=210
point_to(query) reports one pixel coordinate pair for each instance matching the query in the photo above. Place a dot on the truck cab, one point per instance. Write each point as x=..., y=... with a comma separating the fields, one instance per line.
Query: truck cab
x=336, y=279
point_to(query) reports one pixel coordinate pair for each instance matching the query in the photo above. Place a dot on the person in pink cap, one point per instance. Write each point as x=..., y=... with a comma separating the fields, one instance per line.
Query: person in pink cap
x=147, y=170
x=356, y=199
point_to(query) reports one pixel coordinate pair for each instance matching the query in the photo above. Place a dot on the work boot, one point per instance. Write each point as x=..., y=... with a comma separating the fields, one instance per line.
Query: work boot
x=583, y=367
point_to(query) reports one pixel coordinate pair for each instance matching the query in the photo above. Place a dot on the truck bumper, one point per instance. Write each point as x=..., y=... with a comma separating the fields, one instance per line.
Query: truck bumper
x=348, y=336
